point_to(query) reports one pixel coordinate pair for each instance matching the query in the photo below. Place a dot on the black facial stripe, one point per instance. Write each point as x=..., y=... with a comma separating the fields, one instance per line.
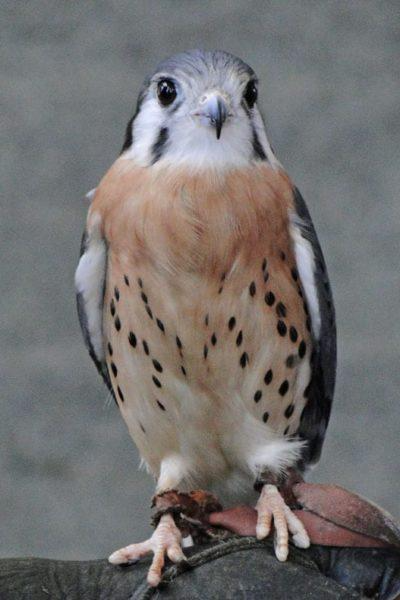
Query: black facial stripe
x=128, y=136
x=245, y=108
x=128, y=131
x=159, y=144
x=257, y=148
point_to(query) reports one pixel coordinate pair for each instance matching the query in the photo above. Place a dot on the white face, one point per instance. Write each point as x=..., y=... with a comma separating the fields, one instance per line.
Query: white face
x=191, y=100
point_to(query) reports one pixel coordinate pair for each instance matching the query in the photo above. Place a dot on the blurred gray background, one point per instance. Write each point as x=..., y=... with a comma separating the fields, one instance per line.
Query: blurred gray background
x=69, y=480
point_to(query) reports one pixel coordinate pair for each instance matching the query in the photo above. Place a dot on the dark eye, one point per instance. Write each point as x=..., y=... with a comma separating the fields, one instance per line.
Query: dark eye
x=166, y=92
x=250, y=94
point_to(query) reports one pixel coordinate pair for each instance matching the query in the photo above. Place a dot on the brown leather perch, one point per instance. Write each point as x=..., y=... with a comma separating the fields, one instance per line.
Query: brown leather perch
x=332, y=516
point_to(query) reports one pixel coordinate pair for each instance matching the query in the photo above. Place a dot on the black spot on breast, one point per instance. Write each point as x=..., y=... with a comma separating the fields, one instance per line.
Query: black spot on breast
x=146, y=347
x=160, y=405
x=265, y=417
x=281, y=327
x=110, y=349
x=286, y=430
x=269, y=298
x=281, y=309
x=264, y=264
x=160, y=325
x=231, y=323
x=291, y=361
x=239, y=338
x=206, y=320
x=114, y=369
x=116, y=293
x=112, y=307
x=178, y=343
x=156, y=381
x=144, y=297
x=257, y=396
x=289, y=411
x=295, y=274
x=120, y=394
x=157, y=366
x=268, y=377
x=140, y=282
x=293, y=334
x=283, y=255
x=223, y=276
x=266, y=276
x=205, y=351
x=252, y=289
x=244, y=359
x=183, y=370
x=213, y=339
x=283, y=388
x=159, y=145
x=117, y=323
x=141, y=427
x=302, y=349
x=132, y=339
x=126, y=279
x=220, y=289
x=149, y=311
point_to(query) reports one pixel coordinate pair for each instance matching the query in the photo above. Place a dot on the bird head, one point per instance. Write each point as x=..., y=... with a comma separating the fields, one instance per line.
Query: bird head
x=198, y=109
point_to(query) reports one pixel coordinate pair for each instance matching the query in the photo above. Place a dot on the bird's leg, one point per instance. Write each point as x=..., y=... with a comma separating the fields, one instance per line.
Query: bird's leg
x=177, y=513
x=166, y=539
x=271, y=506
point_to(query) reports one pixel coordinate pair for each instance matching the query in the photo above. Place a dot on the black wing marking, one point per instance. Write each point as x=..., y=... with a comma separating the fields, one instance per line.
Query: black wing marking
x=84, y=322
x=315, y=417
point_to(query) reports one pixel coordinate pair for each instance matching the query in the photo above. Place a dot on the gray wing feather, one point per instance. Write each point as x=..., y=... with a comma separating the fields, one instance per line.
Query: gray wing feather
x=315, y=417
x=83, y=316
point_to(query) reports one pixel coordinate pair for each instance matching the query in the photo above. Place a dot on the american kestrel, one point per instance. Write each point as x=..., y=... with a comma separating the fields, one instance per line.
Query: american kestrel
x=204, y=299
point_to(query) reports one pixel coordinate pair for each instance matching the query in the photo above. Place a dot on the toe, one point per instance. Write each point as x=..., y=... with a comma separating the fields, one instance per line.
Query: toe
x=297, y=529
x=175, y=553
x=281, y=552
x=281, y=535
x=263, y=526
x=130, y=553
x=117, y=558
x=155, y=571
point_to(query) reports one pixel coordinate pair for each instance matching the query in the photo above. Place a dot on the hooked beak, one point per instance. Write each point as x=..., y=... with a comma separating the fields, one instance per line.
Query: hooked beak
x=213, y=110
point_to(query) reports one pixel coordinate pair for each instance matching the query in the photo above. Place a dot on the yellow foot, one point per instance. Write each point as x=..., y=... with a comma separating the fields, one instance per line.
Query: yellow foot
x=166, y=540
x=271, y=505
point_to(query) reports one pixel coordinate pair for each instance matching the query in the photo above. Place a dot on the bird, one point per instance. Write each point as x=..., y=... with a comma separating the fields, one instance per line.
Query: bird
x=204, y=300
